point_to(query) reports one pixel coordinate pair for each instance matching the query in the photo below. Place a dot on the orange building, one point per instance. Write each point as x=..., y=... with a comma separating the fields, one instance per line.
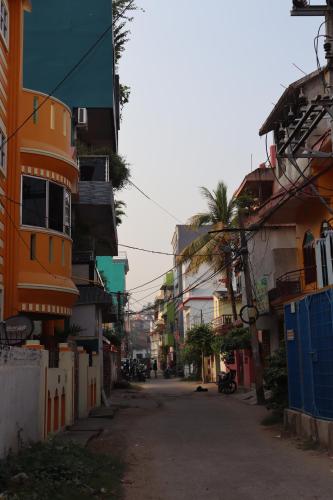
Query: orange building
x=38, y=175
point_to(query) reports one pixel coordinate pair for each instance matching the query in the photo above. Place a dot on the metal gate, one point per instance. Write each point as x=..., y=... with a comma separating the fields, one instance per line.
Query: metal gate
x=309, y=337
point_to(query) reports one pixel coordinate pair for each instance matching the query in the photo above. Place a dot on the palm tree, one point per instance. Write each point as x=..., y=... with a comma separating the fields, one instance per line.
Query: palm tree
x=213, y=249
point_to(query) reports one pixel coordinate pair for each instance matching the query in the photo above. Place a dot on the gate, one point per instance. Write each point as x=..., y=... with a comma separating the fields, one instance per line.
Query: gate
x=309, y=338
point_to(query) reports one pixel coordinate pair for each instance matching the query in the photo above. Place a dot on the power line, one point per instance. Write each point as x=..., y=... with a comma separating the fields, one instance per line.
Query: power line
x=169, y=301
x=48, y=96
x=67, y=75
x=290, y=194
x=155, y=202
x=159, y=252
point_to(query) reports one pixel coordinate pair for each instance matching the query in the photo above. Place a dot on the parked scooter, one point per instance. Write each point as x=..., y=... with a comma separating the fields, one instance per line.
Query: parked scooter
x=226, y=382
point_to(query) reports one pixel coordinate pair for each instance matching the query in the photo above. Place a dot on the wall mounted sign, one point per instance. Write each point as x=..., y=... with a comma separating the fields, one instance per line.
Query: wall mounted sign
x=290, y=335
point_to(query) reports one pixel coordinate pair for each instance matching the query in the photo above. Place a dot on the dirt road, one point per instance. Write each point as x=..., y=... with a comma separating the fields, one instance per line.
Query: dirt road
x=183, y=445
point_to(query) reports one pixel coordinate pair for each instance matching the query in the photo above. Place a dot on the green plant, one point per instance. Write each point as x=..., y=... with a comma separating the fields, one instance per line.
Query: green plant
x=276, y=380
x=59, y=470
x=237, y=338
x=124, y=96
x=122, y=11
x=119, y=205
x=112, y=337
x=119, y=168
x=72, y=330
x=199, y=341
x=122, y=15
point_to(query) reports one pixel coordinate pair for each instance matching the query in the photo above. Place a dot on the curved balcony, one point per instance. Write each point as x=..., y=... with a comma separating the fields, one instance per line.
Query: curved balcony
x=44, y=277
x=293, y=284
x=94, y=206
x=46, y=138
x=222, y=324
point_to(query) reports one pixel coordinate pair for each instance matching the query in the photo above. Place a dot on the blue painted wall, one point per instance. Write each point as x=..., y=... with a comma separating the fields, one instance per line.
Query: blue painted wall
x=309, y=341
x=57, y=34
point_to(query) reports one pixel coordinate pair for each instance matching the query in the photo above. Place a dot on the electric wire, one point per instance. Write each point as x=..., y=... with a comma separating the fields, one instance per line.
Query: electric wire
x=43, y=102
x=155, y=202
x=86, y=54
x=161, y=252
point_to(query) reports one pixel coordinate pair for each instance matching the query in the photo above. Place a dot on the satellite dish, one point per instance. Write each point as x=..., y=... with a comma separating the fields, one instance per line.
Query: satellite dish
x=15, y=330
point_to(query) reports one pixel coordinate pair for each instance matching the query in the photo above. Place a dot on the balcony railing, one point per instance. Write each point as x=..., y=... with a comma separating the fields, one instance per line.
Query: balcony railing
x=293, y=284
x=94, y=168
x=223, y=322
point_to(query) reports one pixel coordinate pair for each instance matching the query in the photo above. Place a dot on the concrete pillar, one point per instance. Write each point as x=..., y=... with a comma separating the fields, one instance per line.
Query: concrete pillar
x=44, y=365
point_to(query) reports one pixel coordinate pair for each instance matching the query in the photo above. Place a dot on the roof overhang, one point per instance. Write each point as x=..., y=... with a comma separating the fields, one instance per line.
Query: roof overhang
x=291, y=93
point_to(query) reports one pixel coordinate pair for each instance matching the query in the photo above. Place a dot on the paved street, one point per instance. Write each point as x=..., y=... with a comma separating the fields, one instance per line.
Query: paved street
x=183, y=445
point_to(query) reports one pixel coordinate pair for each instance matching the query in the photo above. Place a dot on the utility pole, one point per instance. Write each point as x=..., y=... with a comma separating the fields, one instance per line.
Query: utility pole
x=302, y=8
x=258, y=369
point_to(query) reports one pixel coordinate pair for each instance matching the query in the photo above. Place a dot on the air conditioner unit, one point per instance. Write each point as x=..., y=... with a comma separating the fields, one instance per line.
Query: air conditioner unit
x=82, y=117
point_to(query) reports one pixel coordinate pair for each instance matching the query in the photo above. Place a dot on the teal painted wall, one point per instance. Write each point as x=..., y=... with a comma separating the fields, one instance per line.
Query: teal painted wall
x=57, y=34
x=114, y=272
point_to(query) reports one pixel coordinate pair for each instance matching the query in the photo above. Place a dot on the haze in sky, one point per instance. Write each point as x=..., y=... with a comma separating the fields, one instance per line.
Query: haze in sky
x=204, y=76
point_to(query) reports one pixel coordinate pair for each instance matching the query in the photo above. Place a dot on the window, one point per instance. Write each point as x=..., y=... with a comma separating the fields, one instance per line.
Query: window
x=309, y=258
x=63, y=255
x=34, y=202
x=4, y=18
x=67, y=212
x=32, y=247
x=323, y=259
x=51, y=252
x=1, y=303
x=64, y=123
x=3, y=150
x=35, y=110
x=45, y=204
x=52, y=116
x=56, y=207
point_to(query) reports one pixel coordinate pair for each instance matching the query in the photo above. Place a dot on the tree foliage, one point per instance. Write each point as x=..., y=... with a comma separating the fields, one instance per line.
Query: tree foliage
x=119, y=206
x=112, y=336
x=235, y=339
x=122, y=11
x=276, y=380
x=199, y=340
x=120, y=172
x=216, y=249
x=124, y=96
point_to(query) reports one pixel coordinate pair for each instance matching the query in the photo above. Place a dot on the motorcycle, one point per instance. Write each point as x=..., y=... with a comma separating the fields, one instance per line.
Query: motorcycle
x=226, y=382
x=141, y=373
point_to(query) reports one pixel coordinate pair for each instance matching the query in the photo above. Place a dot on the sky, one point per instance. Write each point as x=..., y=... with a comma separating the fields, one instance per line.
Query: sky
x=204, y=76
